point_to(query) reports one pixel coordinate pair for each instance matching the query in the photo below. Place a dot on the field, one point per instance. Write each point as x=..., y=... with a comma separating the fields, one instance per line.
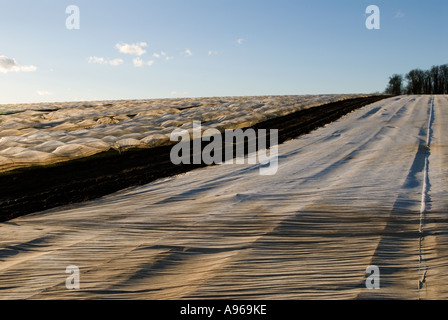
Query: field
x=367, y=189
x=43, y=184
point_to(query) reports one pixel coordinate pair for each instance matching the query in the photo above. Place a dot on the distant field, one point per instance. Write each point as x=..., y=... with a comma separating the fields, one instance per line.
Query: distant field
x=48, y=133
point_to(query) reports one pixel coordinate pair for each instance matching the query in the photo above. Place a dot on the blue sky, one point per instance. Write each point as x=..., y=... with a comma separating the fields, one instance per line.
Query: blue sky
x=140, y=49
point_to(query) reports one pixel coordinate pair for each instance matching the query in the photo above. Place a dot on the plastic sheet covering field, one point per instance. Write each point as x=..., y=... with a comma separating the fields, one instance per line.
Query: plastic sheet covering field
x=368, y=189
x=48, y=133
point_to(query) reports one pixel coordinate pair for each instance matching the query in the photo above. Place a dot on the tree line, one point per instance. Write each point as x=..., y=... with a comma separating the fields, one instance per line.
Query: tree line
x=417, y=81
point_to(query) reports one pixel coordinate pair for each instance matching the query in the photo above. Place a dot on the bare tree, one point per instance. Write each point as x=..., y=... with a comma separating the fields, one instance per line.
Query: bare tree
x=427, y=84
x=433, y=81
x=444, y=78
x=395, y=86
x=415, y=79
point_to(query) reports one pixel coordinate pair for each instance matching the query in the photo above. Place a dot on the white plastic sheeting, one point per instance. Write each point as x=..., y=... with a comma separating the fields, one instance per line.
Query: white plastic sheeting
x=49, y=133
x=346, y=196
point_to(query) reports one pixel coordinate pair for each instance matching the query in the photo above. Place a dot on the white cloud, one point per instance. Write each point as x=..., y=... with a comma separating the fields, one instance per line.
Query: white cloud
x=188, y=52
x=97, y=60
x=11, y=65
x=116, y=62
x=101, y=60
x=211, y=52
x=140, y=63
x=399, y=15
x=159, y=55
x=240, y=41
x=134, y=49
x=44, y=93
x=169, y=58
x=175, y=93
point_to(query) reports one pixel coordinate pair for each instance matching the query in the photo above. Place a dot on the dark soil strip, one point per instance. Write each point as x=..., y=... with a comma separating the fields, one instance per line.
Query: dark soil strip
x=35, y=189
